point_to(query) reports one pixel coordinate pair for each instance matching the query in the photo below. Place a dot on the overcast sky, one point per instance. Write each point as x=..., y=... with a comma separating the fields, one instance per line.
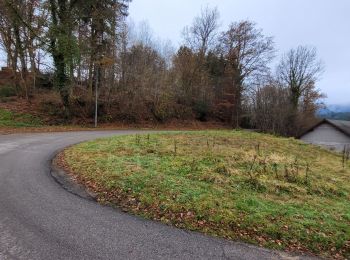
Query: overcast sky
x=324, y=24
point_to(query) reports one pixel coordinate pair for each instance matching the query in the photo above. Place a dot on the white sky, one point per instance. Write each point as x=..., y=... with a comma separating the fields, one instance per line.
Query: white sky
x=324, y=24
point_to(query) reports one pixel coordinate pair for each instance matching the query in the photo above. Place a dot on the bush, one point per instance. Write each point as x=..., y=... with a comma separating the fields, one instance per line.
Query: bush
x=163, y=109
x=45, y=81
x=7, y=91
x=202, y=110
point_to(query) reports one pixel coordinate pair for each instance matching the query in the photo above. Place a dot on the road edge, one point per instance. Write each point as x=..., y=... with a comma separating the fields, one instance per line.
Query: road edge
x=67, y=182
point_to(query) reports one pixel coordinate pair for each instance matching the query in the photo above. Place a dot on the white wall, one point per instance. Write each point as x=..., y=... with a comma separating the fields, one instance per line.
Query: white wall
x=328, y=136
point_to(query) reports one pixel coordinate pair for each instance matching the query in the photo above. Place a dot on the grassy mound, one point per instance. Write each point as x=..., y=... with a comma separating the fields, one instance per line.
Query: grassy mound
x=10, y=119
x=275, y=192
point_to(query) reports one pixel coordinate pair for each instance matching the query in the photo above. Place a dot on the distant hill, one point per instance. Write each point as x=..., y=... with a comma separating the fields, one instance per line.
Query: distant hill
x=338, y=112
x=339, y=108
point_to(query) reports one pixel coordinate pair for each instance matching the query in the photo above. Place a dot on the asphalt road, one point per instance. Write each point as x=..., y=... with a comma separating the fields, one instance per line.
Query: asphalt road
x=39, y=219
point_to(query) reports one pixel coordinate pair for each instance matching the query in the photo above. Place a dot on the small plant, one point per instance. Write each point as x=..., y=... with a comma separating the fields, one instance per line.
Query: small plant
x=296, y=166
x=292, y=171
x=193, y=165
x=307, y=170
x=253, y=177
x=264, y=165
x=345, y=155
x=137, y=139
x=175, y=146
x=257, y=148
x=252, y=166
x=286, y=172
x=275, y=169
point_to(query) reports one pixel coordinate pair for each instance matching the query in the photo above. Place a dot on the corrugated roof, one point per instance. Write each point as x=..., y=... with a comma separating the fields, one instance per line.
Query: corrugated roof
x=344, y=126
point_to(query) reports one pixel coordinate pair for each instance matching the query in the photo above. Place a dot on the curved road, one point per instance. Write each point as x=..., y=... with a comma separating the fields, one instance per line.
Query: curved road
x=41, y=220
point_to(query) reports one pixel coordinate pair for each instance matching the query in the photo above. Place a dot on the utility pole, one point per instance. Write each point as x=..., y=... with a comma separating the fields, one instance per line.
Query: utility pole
x=96, y=97
x=98, y=71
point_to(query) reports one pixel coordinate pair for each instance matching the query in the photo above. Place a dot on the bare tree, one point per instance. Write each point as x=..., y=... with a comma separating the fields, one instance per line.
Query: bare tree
x=6, y=35
x=299, y=70
x=145, y=34
x=270, y=107
x=21, y=27
x=202, y=34
x=247, y=52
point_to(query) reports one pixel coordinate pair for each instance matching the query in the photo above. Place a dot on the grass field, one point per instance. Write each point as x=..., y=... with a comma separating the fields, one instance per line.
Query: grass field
x=10, y=119
x=275, y=192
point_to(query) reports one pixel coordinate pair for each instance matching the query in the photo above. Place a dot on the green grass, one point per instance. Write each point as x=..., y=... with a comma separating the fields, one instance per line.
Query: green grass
x=276, y=192
x=15, y=120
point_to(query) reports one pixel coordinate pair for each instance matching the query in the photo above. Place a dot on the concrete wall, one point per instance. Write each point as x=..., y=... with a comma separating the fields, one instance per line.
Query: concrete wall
x=328, y=136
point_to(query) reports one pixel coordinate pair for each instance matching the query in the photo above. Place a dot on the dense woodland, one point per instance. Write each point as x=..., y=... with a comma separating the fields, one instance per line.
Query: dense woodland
x=89, y=51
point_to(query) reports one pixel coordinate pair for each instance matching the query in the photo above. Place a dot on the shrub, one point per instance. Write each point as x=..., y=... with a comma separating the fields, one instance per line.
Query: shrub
x=202, y=110
x=163, y=109
x=7, y=91
x=45, y=80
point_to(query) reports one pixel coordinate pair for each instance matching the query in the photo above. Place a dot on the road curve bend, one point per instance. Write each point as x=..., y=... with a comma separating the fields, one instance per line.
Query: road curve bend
x=41, y=220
